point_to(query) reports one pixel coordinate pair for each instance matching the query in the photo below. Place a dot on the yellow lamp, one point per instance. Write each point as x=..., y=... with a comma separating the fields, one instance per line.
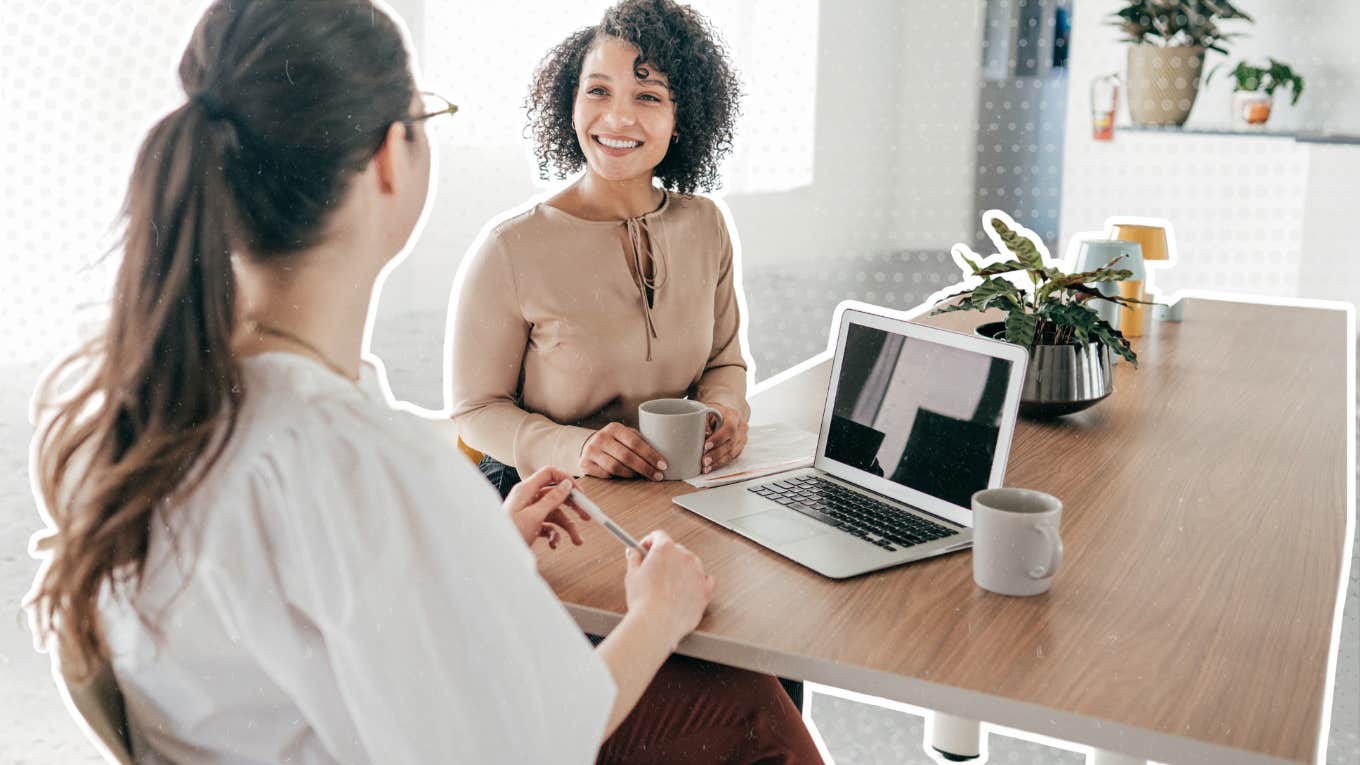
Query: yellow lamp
x=1153, y=239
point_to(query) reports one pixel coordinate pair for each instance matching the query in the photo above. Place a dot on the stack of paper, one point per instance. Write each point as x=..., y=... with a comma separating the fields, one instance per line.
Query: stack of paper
x=769, y=449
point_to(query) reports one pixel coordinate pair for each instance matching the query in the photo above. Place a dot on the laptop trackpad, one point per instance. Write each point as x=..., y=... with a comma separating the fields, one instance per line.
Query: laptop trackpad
x=778, y=527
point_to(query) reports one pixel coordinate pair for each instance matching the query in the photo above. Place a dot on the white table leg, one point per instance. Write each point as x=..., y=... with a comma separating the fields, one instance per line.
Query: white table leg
x=956, y=738
x=1106, y=757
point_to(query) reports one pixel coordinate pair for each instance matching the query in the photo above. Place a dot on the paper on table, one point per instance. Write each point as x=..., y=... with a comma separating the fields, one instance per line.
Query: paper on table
x=769, y=449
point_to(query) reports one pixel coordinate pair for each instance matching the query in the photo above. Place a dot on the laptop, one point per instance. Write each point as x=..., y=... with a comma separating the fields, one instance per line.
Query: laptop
x=917, y=419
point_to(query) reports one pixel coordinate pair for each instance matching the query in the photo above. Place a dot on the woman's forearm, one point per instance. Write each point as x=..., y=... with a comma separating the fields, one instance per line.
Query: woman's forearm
x=525, y=440
x=634, y=651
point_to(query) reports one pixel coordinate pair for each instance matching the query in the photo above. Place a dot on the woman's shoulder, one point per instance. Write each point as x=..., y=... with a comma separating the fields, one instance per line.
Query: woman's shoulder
x=694, y=209
x=691, y=202
x=527, y=224
x=307, y=424
x=308, y=449
x=515, y=222
x=524, y=237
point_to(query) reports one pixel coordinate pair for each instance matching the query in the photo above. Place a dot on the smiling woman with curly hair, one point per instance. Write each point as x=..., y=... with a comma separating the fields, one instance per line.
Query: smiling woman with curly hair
x=621, y=288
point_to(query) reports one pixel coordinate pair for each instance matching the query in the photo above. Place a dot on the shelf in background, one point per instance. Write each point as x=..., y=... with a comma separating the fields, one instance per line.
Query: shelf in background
x=1302, y=136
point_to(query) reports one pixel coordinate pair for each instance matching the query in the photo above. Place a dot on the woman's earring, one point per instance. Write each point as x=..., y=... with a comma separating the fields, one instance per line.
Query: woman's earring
x=675, y=137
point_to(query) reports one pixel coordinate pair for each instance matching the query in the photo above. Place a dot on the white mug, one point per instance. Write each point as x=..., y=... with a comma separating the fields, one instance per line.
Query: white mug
x=1016, y=546
x=677, y=428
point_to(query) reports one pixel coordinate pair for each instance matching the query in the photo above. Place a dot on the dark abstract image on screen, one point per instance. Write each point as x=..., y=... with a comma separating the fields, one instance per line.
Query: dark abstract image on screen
x=920, y=414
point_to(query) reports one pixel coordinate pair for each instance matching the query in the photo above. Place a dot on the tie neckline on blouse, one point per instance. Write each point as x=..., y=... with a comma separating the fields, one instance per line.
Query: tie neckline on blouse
x=649, y=267
x=648, y=275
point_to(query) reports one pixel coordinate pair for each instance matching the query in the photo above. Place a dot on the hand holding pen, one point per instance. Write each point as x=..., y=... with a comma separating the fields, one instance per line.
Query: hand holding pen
x=670, y=581
x=669, y=586
x=665, y=580
x=538, y=506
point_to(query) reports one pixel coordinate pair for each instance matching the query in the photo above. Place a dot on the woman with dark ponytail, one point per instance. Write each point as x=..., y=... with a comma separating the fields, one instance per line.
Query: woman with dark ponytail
x=277, y=565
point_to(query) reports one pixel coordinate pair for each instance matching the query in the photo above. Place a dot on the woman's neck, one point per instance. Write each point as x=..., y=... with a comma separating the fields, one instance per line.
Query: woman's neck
x=596, y=198
x=313, y=306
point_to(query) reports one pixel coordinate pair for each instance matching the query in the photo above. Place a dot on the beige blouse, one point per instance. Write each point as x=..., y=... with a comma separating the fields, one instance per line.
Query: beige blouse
x=554, y=337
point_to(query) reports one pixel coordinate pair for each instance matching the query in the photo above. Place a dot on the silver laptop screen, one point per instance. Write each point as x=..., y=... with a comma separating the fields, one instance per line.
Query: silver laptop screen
x=920, y=414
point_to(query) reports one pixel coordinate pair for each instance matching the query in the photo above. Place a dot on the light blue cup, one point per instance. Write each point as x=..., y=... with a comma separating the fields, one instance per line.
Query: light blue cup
x=1096, y=253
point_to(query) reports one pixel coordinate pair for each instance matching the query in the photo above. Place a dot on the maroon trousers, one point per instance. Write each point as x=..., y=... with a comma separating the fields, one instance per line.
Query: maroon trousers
x=698, y=712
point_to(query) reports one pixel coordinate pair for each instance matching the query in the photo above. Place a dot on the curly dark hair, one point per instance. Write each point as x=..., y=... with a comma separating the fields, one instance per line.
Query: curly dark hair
x=677, y=42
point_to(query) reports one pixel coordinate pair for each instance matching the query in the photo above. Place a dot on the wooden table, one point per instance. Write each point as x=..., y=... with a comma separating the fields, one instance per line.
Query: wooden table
x=1204, y=524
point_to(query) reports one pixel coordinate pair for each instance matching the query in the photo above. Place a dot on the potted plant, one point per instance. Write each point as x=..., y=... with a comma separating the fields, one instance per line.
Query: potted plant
x=1166, y=58
x=1047, y=312
x=1254, y=90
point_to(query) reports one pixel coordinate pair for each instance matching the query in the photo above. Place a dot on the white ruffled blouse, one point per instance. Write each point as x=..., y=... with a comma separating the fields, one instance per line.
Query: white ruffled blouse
x=344, y=587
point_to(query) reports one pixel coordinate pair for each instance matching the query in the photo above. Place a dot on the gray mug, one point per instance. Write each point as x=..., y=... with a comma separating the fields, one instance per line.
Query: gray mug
x=677, y=428
x=1097, y=253
x=1016, y=546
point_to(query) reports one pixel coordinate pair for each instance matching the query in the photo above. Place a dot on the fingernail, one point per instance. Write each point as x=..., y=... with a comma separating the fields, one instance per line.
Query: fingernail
x=708, y=446
x=657, y=476
x=661, y=464
x=566, y=485
x=708, y=469
x=708, y=460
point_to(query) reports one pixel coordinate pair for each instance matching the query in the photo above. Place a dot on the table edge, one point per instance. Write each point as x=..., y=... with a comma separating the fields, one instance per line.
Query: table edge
x=1008, y=713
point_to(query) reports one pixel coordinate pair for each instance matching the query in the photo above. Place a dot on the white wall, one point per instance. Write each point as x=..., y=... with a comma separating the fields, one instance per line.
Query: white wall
x=894, y=148
x=1236, y=203
x=79, y=88
x=1329, y=267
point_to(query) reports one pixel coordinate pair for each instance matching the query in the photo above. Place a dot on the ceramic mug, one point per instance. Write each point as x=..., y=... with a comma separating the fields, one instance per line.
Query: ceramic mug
x=677, y=428
x=1016, y=546
x=1093, y=254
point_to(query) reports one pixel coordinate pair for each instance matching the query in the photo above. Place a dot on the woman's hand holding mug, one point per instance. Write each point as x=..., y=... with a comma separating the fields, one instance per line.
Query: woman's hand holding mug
x=618, y=451
x=726, y=443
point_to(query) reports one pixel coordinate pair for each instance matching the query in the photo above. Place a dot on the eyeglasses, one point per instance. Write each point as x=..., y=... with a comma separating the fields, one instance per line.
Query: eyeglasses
x=434, y=105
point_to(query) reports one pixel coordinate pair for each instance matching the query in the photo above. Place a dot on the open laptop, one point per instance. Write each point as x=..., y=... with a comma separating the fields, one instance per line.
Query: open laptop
x=916, y=420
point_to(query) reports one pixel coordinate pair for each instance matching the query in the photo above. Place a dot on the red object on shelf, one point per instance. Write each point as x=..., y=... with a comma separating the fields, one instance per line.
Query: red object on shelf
x=1104, y=104
x=1102, y=126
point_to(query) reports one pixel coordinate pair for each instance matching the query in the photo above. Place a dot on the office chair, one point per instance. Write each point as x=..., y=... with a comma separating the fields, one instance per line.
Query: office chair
x=469, y=452
x=99, y=706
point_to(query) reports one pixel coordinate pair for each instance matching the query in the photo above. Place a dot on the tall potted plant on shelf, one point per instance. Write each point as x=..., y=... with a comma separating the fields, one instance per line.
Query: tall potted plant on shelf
x=1047, y=311
x=1166, y=58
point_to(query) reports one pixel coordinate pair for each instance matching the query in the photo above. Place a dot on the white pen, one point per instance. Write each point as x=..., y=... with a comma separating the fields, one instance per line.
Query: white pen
x=594, y=511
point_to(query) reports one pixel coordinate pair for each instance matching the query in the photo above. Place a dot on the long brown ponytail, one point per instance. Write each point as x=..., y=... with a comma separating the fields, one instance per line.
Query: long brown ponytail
x=286, y=102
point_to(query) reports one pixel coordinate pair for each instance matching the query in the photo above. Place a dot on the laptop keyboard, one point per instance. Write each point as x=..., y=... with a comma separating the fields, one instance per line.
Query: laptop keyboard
x=854, y=513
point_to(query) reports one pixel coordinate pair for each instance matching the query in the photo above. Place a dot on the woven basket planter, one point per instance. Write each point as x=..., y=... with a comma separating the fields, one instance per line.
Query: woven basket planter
x=1163, y=83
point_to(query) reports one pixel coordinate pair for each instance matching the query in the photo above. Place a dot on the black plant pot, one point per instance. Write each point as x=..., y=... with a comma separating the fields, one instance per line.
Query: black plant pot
x=1060, y=379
